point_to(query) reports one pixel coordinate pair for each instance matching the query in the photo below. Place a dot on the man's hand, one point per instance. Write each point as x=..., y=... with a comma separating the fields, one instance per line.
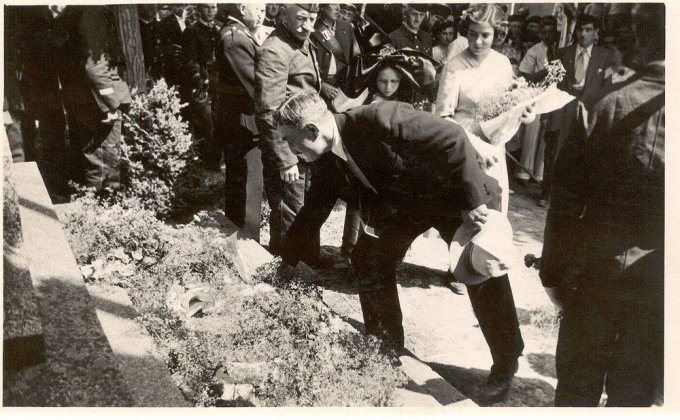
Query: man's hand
x=554, y=295
x=290, y=174
x=528, y=115
x=476, y=217
x=328, y=91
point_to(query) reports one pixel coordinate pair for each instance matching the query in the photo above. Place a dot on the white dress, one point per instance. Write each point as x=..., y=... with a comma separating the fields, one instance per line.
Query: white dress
x=464, y=82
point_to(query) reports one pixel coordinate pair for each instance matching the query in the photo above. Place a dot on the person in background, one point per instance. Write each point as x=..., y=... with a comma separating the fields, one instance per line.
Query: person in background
x=198, y=50
x=93, y=92
x=532, y=32
x=603, y=256
x=459, y=44
x=148, y=31
x=286, y=64
x=443, y=33
x=162, y=11
x=436, y=12
x=472, y=74
x=516, y=24
x=170, y=36
x=501, y=44
x=387, y=84
x=348, y=12
x=272, y=11
x=533, y=69
x=409, y=34
x=240, y=39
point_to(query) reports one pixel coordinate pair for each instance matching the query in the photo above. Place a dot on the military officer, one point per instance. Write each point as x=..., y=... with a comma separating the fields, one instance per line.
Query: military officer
x=409, y=34
x=240, y=39
x=286, y=64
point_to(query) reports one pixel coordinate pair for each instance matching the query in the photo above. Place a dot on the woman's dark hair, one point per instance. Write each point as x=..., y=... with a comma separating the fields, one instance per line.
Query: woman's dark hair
x=488, y=13
x=440, y=26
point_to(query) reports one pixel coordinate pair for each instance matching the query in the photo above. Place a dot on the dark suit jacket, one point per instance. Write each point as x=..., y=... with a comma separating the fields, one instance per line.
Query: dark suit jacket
x=403, y=38
x=606, y=219
x=600, y=60
x=170, y=36
x=198, y=53
x=398, y=156
x=344, y=35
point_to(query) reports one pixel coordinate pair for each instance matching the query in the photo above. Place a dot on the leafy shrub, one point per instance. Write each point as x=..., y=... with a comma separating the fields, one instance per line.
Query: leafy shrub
x=312, y=357
x=157, y=149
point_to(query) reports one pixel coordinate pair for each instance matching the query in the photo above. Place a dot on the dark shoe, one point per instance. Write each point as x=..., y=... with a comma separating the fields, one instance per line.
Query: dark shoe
x=498, y=384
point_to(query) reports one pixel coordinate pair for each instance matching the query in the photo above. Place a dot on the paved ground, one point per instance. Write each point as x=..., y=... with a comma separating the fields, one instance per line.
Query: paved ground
x=441, y=327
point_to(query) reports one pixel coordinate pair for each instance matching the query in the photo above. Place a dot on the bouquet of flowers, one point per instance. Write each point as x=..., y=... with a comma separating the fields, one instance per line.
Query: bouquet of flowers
x=498, y=115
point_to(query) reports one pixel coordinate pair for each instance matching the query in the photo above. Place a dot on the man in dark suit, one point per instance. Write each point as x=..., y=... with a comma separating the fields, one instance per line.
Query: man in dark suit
x=409, y=34
x=603, y=256
x=585, y=64
x=198, y=53
x=240, y=39
x=170, y=36
x=410, y=171
x=148, y=31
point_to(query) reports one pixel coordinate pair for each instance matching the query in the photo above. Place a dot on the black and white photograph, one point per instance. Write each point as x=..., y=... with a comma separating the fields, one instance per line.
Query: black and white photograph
x=434, y=207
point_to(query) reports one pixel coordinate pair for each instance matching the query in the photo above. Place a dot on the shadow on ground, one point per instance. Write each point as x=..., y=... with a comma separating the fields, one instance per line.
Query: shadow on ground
x=543, y=363
x=525, y=392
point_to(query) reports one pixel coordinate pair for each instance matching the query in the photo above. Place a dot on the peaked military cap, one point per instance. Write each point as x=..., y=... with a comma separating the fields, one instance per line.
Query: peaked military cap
x=310, y=7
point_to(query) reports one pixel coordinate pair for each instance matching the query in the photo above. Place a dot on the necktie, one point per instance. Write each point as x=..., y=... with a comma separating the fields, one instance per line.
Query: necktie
x=579, y=68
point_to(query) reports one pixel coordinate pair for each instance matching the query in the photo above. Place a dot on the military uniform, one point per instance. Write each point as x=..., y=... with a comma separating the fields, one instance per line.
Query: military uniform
x=234, y=107
x=403, y=38
x=170, y=40
x=91, y=89
x=198, y=51
x=283, y=66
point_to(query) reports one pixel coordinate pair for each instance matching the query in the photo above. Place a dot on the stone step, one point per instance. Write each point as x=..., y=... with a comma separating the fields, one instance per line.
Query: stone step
x=79, y=369
x=22, y=333
x=426, y=388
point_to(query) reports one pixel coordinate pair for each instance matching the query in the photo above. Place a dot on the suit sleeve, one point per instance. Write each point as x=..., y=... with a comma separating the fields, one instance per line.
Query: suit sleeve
x=93, y=27
x=271, y=78
x=190, y=56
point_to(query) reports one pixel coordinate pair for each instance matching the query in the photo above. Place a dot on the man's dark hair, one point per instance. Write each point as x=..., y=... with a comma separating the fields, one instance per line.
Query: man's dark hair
x=516, y=18
x=549, y=21
x=584, y=19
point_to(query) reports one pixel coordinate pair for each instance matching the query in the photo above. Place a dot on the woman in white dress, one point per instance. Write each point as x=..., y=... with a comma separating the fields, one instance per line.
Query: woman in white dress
x=474, y=74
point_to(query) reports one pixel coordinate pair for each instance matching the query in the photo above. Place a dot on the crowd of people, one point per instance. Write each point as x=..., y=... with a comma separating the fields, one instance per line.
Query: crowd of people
x=366, y=103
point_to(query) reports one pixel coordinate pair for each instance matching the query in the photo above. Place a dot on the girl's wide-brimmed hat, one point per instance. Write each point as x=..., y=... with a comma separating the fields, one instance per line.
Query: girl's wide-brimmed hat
x=416, y=67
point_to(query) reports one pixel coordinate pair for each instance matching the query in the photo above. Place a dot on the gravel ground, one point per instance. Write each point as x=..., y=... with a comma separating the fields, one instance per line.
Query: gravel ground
x=441, y=328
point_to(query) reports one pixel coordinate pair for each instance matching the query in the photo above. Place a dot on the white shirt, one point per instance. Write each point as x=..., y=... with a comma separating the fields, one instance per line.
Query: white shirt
x=586, y=59
x=534, y=59
x=180, y=20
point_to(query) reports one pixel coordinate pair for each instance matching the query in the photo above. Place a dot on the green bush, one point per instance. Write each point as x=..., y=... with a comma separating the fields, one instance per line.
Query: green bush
x=156, y=149
x=313, y=359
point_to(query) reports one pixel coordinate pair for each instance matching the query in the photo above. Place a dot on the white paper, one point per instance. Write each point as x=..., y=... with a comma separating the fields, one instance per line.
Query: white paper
x=501, y=129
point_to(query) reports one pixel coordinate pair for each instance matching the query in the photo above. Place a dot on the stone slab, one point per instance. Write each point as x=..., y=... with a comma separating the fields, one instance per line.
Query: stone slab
x=142, y=367
x=80, y=369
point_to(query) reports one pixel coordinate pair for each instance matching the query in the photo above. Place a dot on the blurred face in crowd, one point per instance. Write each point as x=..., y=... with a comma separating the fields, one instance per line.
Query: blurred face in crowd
x=516, y=28
x=534, y=28
x=164, y=11
x=272, y=10
x=330, y=12
x=178, y=9
x=207, y=11
x=299, y=21
x=252, y=14
x=549, y=34
x=446, y=36
x=413, y=18
x=480, y=38
x=586, y=35
x=434, y=19
x=347, y=15
x=388, y=81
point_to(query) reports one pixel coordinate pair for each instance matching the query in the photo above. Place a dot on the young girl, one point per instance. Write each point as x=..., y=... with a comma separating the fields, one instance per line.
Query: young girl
x=387, y=85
